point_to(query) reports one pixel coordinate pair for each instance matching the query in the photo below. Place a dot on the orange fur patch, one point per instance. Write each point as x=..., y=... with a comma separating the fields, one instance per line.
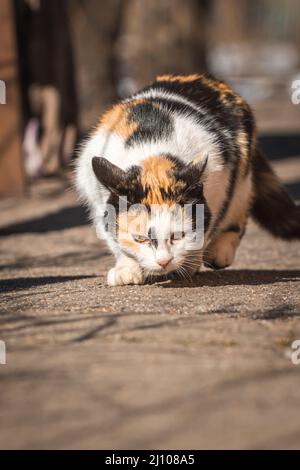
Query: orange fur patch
x=224, y=90
x=156, y=176
x=116, y=119
x=226, y=93
x=178, y=78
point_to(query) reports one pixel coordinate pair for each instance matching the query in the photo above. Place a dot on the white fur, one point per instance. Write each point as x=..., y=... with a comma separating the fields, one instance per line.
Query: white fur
x=126, y=271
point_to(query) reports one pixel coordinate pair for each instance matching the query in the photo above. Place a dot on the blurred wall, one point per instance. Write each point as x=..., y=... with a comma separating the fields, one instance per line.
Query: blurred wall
x=12, y=180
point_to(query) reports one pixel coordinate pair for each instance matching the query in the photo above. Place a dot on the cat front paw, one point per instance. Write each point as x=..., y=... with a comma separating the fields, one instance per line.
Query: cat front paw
x=124, y=275
x=222, y=251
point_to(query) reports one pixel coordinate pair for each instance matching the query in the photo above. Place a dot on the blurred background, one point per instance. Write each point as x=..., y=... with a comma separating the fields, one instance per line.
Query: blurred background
x=64, y=62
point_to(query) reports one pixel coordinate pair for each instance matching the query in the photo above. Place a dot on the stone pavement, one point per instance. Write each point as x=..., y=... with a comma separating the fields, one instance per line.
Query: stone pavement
x=169, y=365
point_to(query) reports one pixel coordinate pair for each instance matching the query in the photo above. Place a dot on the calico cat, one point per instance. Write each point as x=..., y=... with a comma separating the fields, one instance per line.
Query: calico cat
x=183, y=141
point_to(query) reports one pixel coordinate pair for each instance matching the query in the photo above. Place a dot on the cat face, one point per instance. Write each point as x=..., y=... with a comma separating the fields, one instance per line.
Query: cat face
x=163, y=220
x=160, y=239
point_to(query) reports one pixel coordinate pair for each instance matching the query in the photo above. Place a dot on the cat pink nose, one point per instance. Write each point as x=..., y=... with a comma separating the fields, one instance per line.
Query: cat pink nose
x=164, y=262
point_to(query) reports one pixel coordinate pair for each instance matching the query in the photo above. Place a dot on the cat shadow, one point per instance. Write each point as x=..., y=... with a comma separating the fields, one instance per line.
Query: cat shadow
x=231, y=277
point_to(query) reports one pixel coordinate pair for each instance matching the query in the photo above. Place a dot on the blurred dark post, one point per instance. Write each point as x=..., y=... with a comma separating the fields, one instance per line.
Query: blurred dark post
x=12, y=181
x=163, y=37
x=94, y=28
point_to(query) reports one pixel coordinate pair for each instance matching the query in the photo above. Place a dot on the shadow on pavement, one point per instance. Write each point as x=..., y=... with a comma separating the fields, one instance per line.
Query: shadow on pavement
x=235, y=277
x=273, y=313
x=19, y=283
x=68, y=217
x=73, y=258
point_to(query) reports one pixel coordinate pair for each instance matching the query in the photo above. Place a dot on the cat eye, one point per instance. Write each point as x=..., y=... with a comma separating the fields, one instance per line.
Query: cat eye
x=140, y=238
x=176, y=237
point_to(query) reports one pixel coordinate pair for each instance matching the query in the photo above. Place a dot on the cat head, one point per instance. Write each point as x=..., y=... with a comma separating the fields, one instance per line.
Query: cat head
x=160, y=213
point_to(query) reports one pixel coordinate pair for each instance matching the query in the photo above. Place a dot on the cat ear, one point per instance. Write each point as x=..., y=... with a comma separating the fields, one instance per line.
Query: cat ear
x=194, y=172
x=108, y=174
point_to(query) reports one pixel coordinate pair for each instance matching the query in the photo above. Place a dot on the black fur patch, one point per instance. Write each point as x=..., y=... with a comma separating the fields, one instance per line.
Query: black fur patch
x=228, y=115
x=131, y=187
x=216, y=115
x=153, y=124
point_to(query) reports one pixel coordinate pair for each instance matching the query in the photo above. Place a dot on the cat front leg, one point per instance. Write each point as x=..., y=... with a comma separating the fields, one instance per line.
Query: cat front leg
x=220, y=252
x=126, y=271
